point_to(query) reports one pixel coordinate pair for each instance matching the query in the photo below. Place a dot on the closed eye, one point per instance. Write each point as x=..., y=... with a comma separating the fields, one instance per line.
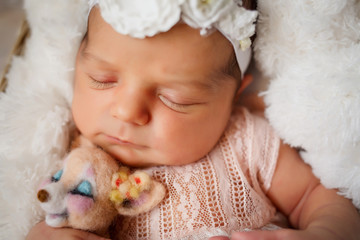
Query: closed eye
x=101, y=85
x=83, y=189
x=175, y=106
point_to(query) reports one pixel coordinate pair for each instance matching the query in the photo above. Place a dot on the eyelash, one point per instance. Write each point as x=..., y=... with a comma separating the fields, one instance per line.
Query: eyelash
x=101, y=85
x=175, y=106
x=56, y=177
x=83, y=189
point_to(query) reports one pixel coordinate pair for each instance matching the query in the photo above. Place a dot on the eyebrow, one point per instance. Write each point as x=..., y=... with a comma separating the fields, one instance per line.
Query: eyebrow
x=87, y=55
x=217, y=76
x=210, y=82
x=226, y=72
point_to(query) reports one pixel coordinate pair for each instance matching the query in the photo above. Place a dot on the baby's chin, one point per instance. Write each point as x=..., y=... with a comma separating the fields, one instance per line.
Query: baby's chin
x=135, y=161
x=149, y=157
x=151, y=162
x=139, y=164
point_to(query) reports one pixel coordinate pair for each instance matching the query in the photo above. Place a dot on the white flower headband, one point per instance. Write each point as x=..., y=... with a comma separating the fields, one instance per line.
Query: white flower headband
x=146, y=18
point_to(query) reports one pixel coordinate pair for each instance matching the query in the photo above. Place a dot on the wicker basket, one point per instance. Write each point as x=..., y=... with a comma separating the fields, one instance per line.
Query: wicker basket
x=17, y=50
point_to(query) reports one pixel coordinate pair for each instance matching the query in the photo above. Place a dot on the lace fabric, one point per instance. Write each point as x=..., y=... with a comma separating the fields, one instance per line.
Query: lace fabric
x=221, y=193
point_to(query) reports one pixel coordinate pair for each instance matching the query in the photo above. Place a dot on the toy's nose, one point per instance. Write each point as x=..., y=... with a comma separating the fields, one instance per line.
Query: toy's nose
x=43, y=195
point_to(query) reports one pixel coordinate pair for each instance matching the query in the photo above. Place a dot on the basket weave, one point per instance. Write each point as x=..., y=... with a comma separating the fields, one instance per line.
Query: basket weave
x=17, y=50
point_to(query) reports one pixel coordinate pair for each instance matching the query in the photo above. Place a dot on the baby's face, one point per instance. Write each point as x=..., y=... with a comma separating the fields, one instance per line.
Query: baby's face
x=164, y=100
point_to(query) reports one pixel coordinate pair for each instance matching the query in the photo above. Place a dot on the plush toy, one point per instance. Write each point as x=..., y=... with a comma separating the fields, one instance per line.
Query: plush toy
x=92, y=189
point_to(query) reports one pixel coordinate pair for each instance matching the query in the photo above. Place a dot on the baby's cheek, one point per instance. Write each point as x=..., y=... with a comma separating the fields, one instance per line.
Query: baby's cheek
x=79, y=204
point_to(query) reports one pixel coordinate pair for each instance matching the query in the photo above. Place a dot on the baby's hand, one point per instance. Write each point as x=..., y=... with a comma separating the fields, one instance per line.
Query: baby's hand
x=283, y=234
x=43, y=231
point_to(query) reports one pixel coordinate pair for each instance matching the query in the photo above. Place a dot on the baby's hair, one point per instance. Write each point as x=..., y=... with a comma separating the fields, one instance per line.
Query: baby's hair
x=232, y=69
x=250, y=4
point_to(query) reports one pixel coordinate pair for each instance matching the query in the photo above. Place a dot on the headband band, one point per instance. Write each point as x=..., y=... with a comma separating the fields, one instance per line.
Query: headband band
x=146, y=18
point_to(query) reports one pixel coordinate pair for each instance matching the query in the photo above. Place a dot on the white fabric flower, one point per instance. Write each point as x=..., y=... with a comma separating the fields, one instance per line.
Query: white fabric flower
x=146, y=18
x=141, y=18
x=204, y=13
x=238, y=24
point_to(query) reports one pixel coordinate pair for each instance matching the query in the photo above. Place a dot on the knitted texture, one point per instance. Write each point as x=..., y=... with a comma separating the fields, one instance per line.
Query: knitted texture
x=222, y=192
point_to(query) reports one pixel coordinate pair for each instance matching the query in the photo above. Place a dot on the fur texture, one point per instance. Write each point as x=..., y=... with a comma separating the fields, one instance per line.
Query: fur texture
x=35, y=119
x=310, y=51
x=78, y=194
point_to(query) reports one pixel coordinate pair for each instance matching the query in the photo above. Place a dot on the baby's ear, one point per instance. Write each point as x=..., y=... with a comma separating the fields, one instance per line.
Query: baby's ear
x=139, y=193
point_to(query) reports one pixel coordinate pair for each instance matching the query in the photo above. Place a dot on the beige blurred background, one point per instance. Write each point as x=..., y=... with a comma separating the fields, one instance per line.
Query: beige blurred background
x=11, y=17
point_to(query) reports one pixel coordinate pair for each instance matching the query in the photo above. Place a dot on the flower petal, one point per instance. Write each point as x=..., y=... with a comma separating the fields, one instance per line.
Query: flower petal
x=141, y=18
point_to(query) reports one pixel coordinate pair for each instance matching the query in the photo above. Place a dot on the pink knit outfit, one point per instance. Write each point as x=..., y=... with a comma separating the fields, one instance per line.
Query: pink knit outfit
x=221, y=193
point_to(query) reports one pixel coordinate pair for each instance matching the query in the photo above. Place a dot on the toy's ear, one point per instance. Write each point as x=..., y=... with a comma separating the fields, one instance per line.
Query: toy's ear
x=146, y=202
x=135, y=193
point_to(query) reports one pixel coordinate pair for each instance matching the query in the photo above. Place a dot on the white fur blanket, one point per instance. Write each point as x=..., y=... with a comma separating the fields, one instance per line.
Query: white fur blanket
x=35, y=119
x=309, y=49
x=311, y=52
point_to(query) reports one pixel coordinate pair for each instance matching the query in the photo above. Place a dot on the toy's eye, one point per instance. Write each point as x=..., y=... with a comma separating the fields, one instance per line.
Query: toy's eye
x=83, y=189
x=57, y=176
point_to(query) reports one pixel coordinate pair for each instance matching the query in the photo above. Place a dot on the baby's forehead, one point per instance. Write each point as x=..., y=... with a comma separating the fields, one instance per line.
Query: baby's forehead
x=230, y=18
x=182, y=48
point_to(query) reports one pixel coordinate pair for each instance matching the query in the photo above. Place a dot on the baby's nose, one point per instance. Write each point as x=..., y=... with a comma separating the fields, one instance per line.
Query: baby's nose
x=131, y=107
x=43, y=195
